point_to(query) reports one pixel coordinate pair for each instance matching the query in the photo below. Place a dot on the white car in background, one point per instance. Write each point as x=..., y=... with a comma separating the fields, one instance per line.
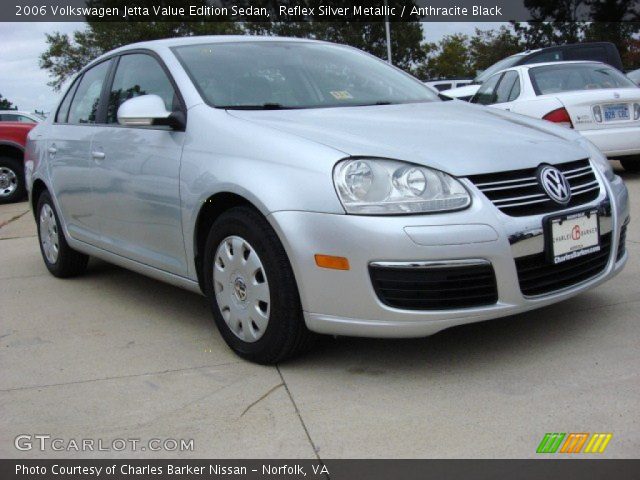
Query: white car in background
x=18, y=116
x=447, y=84
x=605, y=52
x=594, y=98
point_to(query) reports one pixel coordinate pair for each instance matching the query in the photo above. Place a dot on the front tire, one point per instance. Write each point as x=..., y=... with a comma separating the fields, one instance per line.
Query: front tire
x=60, y=259
x=631, y=164
x=12, y=186
x=253, y=293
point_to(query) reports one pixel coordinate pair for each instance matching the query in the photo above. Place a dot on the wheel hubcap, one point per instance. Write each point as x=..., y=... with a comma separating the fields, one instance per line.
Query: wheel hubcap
x=49, y=234
x=8, y=181
x=241, y=288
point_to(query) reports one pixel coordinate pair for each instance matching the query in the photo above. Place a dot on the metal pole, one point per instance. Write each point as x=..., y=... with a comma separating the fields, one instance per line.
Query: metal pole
x=387, y=28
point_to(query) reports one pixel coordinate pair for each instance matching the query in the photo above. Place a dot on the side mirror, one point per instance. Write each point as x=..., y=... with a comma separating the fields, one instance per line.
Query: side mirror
x=148, y=110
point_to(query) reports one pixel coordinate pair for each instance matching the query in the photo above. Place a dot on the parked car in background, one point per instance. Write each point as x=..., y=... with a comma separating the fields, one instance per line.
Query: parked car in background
x=635, y=76
x=595, y=99
x=13, y=137
x=306, y=187
x=18, y=116
x=605, y=52
x=447, y=84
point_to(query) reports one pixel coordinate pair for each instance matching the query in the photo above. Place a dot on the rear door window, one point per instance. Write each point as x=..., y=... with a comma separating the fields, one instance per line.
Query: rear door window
x=515, y=91
x=505, y=87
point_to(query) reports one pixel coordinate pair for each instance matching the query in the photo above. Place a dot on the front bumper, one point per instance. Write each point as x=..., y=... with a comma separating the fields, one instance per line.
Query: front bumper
x=345, y=303
x=614, y=142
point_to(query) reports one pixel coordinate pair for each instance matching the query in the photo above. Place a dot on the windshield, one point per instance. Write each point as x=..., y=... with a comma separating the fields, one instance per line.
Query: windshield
x=574, y=77
x=496, y=67
x=272, y=75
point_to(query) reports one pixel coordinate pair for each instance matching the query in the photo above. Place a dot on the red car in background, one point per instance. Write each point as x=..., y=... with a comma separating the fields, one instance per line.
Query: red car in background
x=13, y=137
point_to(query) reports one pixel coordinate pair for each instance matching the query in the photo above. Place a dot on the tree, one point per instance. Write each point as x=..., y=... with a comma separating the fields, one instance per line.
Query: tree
x=632, y=56
x=556, y=22
x=6, y=104
x=367, y=36
x=448, y=58
x=463, y=56
x=553, y=22
x=489, y=46
x=609, y=25
x=406, y=36
x=66, y=55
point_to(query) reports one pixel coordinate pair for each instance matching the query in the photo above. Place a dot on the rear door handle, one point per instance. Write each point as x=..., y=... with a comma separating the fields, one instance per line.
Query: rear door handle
x=52, y=150
x=98, y=155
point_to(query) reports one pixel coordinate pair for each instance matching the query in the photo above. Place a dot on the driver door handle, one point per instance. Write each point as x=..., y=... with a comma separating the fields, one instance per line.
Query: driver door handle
x=98, y=155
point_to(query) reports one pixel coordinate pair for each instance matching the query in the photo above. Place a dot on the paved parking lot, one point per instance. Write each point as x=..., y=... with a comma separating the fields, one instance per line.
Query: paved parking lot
x=117, y=355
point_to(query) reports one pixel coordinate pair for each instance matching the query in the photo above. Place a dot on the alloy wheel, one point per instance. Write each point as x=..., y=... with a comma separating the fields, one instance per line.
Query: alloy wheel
x=8, y=182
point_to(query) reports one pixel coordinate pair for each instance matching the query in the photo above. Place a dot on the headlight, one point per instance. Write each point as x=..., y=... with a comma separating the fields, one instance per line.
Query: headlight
x=386, y=187
x=599, y=158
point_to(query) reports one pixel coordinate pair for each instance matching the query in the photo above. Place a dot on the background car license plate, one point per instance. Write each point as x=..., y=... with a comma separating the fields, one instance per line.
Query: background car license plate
x=574, y=235
x=617, y=111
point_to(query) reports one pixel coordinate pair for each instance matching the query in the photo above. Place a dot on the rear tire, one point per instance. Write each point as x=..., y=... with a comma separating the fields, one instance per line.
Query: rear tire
x=12, y=186
x=253, y=292
x=60, y=259
x=631, y=164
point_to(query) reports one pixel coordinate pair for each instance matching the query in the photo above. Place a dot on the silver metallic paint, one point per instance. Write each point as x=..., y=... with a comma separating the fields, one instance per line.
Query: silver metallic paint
x=138, y=206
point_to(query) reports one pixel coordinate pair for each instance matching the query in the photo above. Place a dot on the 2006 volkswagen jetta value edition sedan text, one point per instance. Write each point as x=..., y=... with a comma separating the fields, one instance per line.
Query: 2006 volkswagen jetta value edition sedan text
x=308, y=188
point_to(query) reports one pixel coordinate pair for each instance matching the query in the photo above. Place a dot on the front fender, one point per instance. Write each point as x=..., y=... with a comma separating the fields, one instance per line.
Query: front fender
x=273, y=170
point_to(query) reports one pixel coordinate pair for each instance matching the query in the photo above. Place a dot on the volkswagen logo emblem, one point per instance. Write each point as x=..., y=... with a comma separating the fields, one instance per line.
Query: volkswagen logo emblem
x=555, y=184
x=616, y=95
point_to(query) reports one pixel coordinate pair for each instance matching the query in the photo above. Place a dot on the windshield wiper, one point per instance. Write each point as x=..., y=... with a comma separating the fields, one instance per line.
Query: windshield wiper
x=264, y=106
x=382, y=102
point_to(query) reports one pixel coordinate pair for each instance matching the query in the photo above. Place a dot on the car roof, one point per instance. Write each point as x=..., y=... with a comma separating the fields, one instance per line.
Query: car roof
x=201, y=39
x=556, y=64
x=18, y=112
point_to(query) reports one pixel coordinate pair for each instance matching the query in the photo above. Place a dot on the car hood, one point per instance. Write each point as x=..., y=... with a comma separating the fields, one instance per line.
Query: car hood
x=453, y=136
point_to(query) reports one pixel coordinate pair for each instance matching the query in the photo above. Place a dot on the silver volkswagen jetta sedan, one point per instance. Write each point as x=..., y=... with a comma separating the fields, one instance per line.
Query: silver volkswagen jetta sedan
x=306, y=187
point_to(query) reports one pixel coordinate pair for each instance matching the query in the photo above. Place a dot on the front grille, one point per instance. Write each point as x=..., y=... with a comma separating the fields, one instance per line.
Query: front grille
x=538, y=276
x=518, y=193
x=622, y=244
x=443, y=287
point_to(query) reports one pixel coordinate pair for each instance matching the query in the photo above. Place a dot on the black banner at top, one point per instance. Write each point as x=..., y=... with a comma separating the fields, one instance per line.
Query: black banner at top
x=316, y=10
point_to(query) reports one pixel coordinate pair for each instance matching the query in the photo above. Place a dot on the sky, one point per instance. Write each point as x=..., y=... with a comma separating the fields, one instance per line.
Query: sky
x=24, y=83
